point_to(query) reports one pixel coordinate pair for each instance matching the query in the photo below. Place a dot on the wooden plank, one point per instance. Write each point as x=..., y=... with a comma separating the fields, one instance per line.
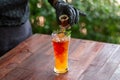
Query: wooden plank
x=104, y=64
x=37, y=41
x=80, y=49
x=116, y=75
x=20, y=53
x=39, y=58
x=17, y=73
x=11, y=61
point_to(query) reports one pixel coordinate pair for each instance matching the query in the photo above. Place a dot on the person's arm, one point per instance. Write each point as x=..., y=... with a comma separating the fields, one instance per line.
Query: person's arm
x=62, y=7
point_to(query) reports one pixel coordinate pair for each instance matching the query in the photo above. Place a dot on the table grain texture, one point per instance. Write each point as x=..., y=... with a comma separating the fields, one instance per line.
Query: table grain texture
x=33, y=59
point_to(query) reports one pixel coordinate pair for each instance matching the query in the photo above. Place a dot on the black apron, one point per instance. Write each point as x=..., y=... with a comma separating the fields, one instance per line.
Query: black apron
x=10, y=37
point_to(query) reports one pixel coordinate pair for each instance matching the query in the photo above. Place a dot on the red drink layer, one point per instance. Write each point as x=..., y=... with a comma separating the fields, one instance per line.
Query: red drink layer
x=61, y=54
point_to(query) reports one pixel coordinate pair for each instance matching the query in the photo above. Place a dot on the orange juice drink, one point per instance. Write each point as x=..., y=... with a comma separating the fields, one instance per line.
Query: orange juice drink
x=61, y=45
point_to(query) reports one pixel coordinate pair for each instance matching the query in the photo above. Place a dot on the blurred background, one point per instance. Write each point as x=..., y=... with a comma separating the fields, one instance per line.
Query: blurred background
x=102, y=22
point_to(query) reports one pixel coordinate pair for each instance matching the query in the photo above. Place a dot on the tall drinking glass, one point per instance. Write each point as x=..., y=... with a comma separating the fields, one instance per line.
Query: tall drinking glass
x=60, y=42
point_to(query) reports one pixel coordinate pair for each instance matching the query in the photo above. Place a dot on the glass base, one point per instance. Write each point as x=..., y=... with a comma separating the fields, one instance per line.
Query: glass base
x=60, y=71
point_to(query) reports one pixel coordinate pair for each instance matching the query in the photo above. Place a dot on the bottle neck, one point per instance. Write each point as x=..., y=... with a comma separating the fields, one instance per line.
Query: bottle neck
x=64, y=21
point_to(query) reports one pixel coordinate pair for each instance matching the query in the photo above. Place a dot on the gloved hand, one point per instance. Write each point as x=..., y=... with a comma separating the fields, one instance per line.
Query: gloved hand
x=65, y=8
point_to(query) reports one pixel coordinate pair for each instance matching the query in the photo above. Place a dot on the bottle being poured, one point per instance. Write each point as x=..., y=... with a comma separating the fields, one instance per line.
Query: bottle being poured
x=64, y=25
x=64, y=33
x=64, y=22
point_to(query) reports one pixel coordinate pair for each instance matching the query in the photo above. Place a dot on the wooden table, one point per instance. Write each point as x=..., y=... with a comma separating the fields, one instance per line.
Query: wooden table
x=88, y=60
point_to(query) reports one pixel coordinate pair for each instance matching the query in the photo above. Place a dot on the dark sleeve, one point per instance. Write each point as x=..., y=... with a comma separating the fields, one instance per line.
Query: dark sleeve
x=8, y=4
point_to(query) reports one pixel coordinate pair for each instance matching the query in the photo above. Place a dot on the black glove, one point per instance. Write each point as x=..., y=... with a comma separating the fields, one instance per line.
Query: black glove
x=65, y=8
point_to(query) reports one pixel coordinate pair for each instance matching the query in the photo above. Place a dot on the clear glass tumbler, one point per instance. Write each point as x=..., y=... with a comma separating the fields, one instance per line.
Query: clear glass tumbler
x=60, y=41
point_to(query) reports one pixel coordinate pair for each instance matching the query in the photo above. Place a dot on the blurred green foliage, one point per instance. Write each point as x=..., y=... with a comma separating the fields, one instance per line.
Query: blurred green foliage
x=102, y=22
